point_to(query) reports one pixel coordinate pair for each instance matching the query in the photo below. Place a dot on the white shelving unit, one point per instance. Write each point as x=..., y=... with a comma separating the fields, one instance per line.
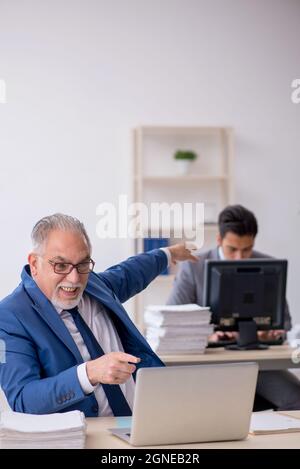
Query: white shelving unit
x=209, y=180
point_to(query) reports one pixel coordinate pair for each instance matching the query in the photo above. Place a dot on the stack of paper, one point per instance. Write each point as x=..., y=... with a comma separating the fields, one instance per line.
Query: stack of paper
x=273, y=422
x=178, y=329
x=66, y=430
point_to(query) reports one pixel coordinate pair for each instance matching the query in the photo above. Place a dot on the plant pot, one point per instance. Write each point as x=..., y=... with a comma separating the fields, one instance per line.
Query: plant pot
x=183, y=167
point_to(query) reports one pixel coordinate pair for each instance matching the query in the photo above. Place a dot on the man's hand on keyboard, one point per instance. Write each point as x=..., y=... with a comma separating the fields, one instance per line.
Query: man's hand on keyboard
x=220, y=335
x=270, y=335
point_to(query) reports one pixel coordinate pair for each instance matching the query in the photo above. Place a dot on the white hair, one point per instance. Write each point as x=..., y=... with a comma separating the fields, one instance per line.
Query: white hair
x=57, y=221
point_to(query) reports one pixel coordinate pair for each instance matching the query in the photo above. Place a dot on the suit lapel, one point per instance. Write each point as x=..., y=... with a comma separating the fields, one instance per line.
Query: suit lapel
x=112, y=304
x=54, y=321
x=214, y=254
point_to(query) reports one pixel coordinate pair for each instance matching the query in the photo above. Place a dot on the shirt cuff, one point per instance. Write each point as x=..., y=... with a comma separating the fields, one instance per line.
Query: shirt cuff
x=168, y=254
x=84, y=381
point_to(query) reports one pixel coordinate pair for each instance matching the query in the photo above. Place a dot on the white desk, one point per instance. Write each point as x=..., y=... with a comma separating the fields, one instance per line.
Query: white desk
x=98, y=437
x=275, y=358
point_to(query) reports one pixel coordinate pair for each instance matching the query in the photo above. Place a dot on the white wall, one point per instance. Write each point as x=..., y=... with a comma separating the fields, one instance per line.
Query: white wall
x=80, y=74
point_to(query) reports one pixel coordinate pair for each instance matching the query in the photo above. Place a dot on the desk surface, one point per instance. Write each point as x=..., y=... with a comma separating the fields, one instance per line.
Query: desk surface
x=98, y=437
x=274, y=358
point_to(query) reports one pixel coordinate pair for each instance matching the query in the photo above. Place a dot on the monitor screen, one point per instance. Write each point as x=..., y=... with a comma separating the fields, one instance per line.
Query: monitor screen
x=246, y=290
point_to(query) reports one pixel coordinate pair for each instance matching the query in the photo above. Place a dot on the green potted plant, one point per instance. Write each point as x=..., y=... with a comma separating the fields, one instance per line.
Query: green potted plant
x=184, y=159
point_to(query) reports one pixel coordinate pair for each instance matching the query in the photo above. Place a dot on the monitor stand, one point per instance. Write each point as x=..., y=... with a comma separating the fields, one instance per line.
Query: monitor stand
x=248, y=339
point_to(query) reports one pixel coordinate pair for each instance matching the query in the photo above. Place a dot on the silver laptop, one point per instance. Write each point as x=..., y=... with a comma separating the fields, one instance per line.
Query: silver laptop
x=190, y=404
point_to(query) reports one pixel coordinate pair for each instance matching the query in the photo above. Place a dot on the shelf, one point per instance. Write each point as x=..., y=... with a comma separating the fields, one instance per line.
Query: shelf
x=182, y=130
x=157, y=180
x=170, y=179
x=172, y=229
x=210, y=226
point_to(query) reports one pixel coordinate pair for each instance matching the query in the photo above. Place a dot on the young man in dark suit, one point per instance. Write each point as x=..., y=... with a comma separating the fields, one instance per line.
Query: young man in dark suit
x=235, y=241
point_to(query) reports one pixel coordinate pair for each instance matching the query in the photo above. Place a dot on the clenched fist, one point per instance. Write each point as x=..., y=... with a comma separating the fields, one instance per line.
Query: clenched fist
x=111, y=368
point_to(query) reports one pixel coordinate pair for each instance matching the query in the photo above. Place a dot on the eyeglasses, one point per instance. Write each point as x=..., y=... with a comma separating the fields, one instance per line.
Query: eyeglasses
x=65, y=268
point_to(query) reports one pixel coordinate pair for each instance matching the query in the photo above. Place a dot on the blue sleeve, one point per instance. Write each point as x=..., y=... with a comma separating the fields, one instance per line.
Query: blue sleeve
x=133, y=275
x=21, y=374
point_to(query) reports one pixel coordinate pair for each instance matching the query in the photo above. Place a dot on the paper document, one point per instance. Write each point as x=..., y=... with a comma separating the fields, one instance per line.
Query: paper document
x=273, y=422
x=61, y=430
x=178, y=308
x=178, y=329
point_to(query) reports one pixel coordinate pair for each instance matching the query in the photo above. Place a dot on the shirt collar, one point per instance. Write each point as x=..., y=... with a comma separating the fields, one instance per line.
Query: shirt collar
x=59, y=310
x=221, y=253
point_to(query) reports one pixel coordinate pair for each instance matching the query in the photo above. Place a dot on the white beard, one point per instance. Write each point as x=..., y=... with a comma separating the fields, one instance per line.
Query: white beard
x=66, y=304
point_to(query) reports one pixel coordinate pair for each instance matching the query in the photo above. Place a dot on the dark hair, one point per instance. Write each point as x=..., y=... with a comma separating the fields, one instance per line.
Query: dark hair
x=238, y=220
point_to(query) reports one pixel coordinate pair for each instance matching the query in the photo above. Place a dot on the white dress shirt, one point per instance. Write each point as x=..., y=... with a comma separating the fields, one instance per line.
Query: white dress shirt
x=96, y=317
x=98, y=320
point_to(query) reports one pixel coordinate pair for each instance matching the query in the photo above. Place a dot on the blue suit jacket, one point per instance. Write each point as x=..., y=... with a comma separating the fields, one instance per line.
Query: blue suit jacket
x=40, y=372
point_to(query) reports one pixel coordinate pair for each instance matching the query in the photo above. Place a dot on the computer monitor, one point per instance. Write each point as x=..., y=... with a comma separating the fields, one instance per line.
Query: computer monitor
x=246, y=296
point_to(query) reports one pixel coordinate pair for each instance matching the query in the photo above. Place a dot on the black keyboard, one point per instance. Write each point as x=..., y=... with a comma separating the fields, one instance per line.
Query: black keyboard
x=224, y=343
x=221, y=343
x=278, y=341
